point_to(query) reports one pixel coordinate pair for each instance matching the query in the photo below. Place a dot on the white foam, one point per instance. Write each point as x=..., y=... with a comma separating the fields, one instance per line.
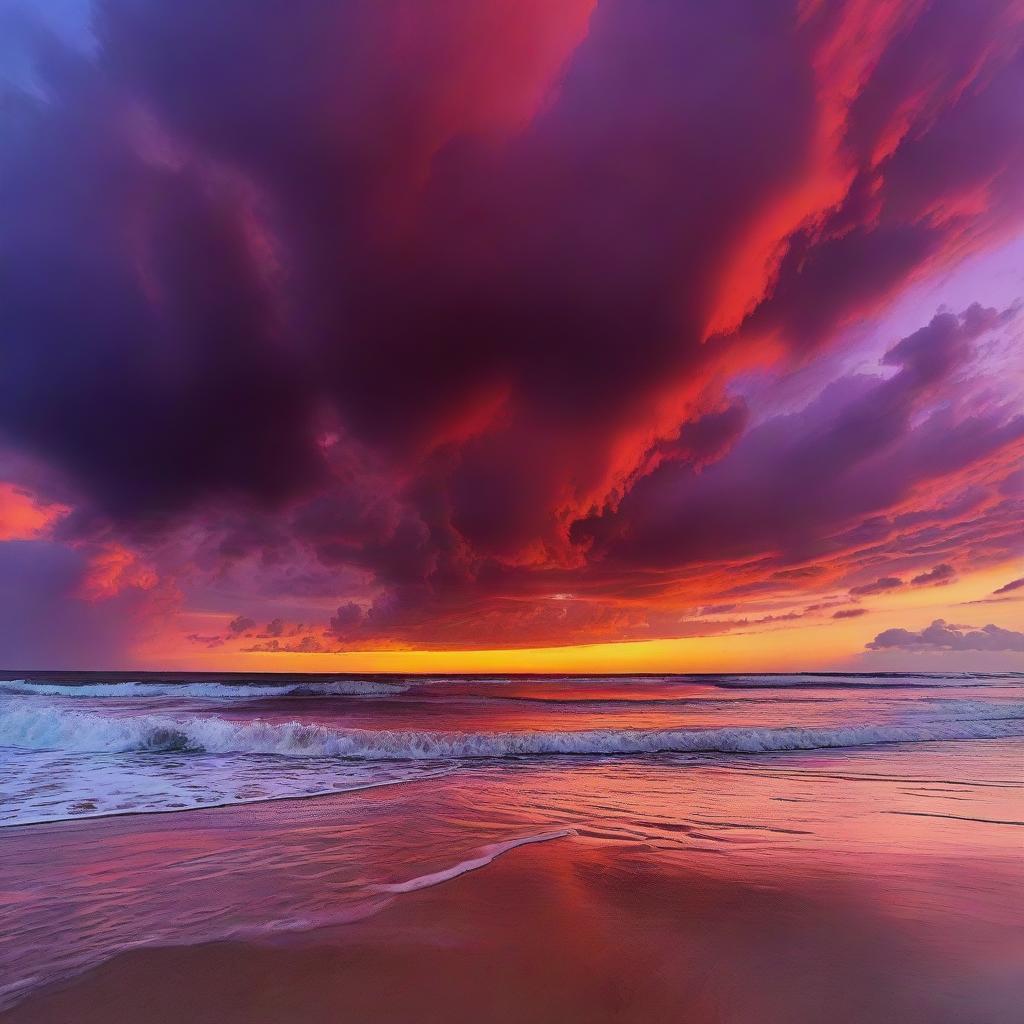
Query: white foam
x=486, y=855
x=27, y=724
x=50, y=786
x=203, y=691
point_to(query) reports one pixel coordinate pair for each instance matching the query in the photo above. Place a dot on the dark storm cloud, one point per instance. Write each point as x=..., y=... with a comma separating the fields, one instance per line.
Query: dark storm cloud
x=791, y=483
x=140, y=348
x=451, y=295
x=920, y=167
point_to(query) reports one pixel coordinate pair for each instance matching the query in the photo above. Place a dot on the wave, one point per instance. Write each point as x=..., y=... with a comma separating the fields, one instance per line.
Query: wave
x=210, y=690
x=175, y=795
x=895, y=681
x=31, y=726
x=486, y=856
x=205, y=691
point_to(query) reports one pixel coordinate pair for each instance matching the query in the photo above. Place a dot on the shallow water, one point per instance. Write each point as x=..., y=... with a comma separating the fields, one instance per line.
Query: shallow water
x=909, y=789
x=112, y=748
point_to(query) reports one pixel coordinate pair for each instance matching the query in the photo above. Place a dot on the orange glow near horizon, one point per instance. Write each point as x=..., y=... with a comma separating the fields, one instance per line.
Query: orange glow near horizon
x=814, y=645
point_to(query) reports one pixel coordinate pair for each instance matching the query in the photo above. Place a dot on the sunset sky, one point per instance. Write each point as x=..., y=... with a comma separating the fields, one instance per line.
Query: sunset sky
x=492, y=335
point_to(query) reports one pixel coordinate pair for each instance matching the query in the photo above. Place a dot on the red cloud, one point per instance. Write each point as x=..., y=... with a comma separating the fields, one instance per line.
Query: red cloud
x=434, y=311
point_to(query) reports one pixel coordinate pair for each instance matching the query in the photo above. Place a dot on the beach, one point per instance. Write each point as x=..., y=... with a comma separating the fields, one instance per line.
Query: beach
x=862, y=883
x=510, y=511
x=575, y=929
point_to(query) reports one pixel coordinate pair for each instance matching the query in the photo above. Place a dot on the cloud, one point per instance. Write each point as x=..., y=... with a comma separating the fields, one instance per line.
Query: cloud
x=849, y=613
x=307, y=645
x=472, y=306
x=208, y=641
x=941, y=574
x=794, y=483
x=879, y=586
x=113, y=568
x=941, y=635
x=23, y=517
x=48, y=622
x=1007, y=588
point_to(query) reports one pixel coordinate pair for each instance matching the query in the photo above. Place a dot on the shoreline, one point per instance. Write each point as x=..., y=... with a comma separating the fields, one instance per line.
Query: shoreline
x=245, y=802
x=569, y=931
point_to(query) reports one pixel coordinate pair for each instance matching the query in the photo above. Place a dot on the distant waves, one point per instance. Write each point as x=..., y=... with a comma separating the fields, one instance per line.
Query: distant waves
x=211, y=691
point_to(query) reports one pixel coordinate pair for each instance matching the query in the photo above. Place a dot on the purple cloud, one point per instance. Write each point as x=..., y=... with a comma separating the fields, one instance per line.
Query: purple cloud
x=431, y=318
x=879, y=586
x=943, y=573
x=941, y=635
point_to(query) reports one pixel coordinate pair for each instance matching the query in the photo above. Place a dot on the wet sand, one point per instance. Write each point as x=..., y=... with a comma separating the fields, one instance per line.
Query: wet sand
x=570, y=930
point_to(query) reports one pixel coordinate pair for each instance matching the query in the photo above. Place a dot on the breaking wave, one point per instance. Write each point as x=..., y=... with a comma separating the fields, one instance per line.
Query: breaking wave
x=51, y=727
x=202, y=691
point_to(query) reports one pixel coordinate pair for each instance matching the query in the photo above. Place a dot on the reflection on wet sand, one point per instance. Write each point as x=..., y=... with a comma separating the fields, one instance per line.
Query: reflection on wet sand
x=861, y=886
x=574, y=931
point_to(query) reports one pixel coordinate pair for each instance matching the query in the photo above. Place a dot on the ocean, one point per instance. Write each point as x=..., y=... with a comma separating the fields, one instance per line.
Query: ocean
x=156, y=812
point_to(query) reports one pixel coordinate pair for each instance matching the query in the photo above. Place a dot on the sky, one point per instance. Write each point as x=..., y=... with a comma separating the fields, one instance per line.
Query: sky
x=512, y=335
